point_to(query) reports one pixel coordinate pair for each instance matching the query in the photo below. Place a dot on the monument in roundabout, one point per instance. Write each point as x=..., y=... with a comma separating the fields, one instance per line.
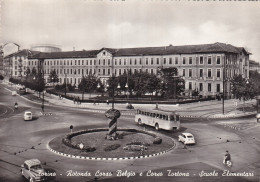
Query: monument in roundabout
x=112, y=142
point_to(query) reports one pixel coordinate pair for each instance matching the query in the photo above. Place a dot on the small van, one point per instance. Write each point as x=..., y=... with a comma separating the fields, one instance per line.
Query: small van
x=27, y=116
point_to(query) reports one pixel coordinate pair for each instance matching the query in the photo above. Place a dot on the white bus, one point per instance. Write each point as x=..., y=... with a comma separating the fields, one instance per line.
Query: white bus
x=158, y=119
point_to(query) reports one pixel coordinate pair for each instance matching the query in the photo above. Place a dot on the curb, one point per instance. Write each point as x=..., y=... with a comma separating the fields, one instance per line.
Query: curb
x=109, y=159
x=233, y=127
x=46, y=114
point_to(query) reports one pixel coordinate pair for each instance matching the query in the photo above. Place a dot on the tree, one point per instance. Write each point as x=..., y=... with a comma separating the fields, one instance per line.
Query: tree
x=255, y=80
x=242, y=88
x=89, y=84
x=34, y=72
x=172, y=85
x=27, y=72
x=53, y=77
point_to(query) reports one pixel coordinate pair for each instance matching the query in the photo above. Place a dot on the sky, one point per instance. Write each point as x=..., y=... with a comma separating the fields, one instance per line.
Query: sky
x=94, y=24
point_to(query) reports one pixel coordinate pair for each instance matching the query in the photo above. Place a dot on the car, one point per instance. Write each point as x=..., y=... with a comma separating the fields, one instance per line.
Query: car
x=27, y=116
x=14, y=93
x=32, y=170
x=186, y=138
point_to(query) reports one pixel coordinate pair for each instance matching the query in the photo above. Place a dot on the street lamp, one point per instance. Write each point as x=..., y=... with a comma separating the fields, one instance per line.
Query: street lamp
x=52, y=78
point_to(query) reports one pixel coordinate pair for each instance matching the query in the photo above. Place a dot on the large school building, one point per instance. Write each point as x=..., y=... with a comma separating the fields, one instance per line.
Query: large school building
x=204, y=67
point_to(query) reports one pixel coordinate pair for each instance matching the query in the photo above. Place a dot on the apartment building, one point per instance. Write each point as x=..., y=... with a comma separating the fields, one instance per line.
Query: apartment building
x=204, y=67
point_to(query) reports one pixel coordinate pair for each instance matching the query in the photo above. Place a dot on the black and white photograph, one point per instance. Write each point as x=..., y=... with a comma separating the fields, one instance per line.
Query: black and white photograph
x=129, y=90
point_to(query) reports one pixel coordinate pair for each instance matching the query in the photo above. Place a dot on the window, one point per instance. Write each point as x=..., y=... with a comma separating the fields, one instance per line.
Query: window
x=176, y=60
x=119, y=61
x=218, y=73
x=201, y=73
x=108, y=71
x=190, y=85
x=104, y=71
x=157, y=60
x=184, y=60
x=90, y=62
x=75, y=62
x=104, y=62
x=140, y=61
x=124, y=61
x=190, y=60
x=152, y=71
x=82, y=71
x=164, y=60
x=201, y=59
x=209, y=87
x=183, y=72
x=115, y=61
x=146, y=60
x=190, y=72
x=151, y=60
x=135, y=61
x=209, y=60
x=130, y=61
x=99, y=62
x=218, y=87
x=209, y=73
x=78, y=62
x=108, y=62
x=170, y=61
x=218, y=59
x=82, y=62
x=201, y=87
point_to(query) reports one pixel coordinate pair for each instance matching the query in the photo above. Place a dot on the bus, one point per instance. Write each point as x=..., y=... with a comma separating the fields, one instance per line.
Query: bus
x=158, y=119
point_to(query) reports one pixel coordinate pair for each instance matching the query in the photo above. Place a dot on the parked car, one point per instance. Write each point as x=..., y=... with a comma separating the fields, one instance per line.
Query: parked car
x=14, y=93
x=186, y=138
x=27, y=116
x=33, y=170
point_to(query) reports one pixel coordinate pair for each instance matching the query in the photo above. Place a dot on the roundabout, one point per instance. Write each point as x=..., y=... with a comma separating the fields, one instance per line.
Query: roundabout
x=92, y=144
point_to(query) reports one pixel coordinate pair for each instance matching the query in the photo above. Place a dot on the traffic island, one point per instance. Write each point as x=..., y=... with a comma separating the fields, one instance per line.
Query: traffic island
x=92, y=144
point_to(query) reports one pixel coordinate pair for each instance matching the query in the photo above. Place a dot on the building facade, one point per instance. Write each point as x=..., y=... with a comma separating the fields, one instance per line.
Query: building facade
x=254, y=66
x=16, y=64
x=205, y=68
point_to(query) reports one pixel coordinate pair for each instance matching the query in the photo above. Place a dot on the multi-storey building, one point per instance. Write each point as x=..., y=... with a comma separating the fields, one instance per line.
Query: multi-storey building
x=204, y=67
x=15, y=64
x=254, y=66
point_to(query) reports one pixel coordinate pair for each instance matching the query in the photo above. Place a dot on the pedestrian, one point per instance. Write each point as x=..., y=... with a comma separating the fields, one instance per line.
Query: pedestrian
x=74, y=99
x=42, y=108
x=227, y=157
x=107, y=102
x=94, y=102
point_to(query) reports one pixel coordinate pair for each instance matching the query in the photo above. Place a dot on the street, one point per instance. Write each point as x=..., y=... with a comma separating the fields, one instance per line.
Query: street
x=21, y=140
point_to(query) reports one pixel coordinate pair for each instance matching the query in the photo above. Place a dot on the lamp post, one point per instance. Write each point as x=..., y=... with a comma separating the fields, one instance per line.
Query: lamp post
x=223, y=100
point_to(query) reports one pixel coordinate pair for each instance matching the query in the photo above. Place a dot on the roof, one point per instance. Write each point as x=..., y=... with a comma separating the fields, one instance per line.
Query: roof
x=68, y=54
x=24, y=52
x=138, y=51
x=157, y=111
x=187, y=134
x=184, y=49
x=32, y=162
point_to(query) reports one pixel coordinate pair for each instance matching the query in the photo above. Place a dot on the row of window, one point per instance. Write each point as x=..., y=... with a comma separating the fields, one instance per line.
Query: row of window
x=133, y=61
x=209, y=87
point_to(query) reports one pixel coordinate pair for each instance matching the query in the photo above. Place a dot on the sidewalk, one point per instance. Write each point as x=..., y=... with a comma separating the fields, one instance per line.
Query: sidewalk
x=208, y=109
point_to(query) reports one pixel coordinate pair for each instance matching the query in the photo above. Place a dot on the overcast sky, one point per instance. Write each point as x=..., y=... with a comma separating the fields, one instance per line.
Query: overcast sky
x=93, y=24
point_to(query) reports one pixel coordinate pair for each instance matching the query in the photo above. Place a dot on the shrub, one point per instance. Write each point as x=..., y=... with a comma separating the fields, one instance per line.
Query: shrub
x=112, y=147
x=157, y=140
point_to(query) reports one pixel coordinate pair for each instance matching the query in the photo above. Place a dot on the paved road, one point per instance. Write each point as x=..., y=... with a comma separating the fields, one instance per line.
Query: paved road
x=21, y=140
